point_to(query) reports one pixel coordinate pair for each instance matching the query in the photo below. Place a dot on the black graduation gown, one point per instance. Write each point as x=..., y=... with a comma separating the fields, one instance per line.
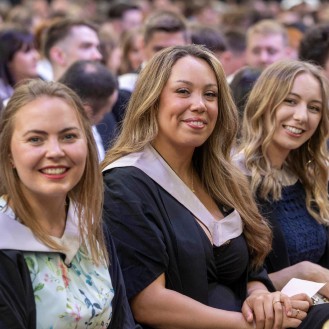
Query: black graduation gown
x=155, y=234
x=17, y=305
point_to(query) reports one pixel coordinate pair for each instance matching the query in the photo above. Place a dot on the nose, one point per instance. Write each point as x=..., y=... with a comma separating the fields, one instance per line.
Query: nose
x=301, y=113
x=96, y=55
x=198, y=104
x=264, y=57
x=54, y=149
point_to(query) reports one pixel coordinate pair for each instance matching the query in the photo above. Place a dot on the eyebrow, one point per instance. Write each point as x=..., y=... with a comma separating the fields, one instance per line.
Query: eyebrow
x=190, y=83
x=42, y=132
x=313, y=100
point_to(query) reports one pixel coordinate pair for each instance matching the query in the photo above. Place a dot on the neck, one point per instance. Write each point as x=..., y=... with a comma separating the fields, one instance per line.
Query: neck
x=180, y=162
x=276, y=157
x=51, y=214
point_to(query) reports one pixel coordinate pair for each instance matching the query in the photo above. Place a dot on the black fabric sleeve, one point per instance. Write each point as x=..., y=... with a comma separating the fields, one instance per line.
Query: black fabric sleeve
x=17, y=305
x=134, y=216
x=262, y=276
x=121, y=313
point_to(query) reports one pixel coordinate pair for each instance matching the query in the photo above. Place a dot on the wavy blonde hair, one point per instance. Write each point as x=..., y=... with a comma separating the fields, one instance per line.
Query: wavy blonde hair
x=212, y=161
x=87, y=195
x=310, y=161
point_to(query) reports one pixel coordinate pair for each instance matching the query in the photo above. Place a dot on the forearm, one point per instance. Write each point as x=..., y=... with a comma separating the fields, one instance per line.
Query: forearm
x=164, y=308
x=303, y=270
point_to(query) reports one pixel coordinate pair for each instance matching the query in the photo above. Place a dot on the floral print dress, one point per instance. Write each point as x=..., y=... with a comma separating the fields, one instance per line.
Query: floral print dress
x=70, y=290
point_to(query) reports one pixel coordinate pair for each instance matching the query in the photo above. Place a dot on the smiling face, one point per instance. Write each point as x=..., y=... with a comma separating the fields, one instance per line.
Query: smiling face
x=188, y=106
x=24, y=64
x=48, y=148
x=297, y=118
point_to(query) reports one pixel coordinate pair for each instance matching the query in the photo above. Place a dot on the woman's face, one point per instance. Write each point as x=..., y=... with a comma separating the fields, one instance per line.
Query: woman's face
x=48, y=148
x=24, y=64
x=135, y=54
x=297, y=118
x=188, y=106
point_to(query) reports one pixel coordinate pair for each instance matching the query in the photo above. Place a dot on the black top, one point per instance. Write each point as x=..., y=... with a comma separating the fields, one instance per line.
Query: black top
x=155, y=234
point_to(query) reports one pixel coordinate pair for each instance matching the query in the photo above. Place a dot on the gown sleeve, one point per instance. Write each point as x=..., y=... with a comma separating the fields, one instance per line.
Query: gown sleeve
x=17, y=305
x=121, y=313
x=133, y=214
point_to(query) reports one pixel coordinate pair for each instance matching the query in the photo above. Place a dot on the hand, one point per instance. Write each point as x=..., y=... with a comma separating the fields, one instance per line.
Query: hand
x=269, y=310
x=300, y=305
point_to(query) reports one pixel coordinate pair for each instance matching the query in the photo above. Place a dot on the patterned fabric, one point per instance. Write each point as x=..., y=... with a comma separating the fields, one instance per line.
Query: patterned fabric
x=78, y=296
x=70, y=291
x=305, y=238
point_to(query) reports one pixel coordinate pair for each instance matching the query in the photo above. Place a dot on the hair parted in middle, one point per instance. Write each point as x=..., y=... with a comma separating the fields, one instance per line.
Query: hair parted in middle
x=212, y=160
x=310, y=161
x=87, y=194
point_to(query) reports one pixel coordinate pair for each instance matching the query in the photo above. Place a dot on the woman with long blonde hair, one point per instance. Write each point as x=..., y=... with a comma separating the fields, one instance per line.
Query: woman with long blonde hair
x=284, y=154
x=55, y=271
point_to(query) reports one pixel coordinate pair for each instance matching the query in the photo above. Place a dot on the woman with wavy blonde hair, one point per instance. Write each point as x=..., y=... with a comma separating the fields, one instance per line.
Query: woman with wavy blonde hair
x=189, y=236
x=284, y=153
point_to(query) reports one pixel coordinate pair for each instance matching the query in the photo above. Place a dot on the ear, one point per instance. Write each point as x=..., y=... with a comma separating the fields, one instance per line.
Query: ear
x=89, y=111
x=290, y=53
x=11, y=161
x=57, y=55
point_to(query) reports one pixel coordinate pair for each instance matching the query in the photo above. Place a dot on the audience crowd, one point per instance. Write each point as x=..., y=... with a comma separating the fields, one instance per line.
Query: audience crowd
x=164, y=164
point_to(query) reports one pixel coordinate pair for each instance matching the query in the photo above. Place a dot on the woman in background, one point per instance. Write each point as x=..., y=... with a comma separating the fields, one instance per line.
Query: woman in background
x=18, y=58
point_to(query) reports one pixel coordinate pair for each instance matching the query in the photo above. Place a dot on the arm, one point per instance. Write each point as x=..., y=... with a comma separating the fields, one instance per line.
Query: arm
x=303, y=270
x=17, y=305
x=159, y=307
x=121, y=313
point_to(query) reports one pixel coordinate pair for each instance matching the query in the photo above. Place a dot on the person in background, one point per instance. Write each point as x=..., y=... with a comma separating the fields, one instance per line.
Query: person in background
x=124, y=16
x=18, y=58
x=210, y=37
x=67, y=40
x=132, y=52
x=110, y=48
x=267, y=42
x=234, y=58
x=189, y=237
x=98, y=89
x=161, y=29
x=241, y=85
x=58, y=269
x=284, y=155
x=314, y=46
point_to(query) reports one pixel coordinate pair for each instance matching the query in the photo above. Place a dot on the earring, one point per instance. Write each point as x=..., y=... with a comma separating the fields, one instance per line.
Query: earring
x=310, y=152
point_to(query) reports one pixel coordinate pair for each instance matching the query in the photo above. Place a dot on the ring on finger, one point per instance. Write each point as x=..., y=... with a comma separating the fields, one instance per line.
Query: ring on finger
x=276, y=301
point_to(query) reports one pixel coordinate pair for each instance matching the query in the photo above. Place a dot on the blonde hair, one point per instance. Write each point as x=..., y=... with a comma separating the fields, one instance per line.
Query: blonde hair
x=310, y=161
x=87, y=195
x=212, y=161
x=268, y=27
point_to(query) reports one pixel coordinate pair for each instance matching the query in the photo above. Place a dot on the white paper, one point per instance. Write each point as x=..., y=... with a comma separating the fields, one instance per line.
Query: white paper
x=297, y=286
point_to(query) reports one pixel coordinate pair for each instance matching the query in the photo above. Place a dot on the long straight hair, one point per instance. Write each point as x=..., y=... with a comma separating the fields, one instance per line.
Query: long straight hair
x=87, y=195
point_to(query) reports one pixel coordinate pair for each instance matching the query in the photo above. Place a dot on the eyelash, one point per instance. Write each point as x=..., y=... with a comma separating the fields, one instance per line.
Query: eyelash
x=290, y=101
x=207, y=94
